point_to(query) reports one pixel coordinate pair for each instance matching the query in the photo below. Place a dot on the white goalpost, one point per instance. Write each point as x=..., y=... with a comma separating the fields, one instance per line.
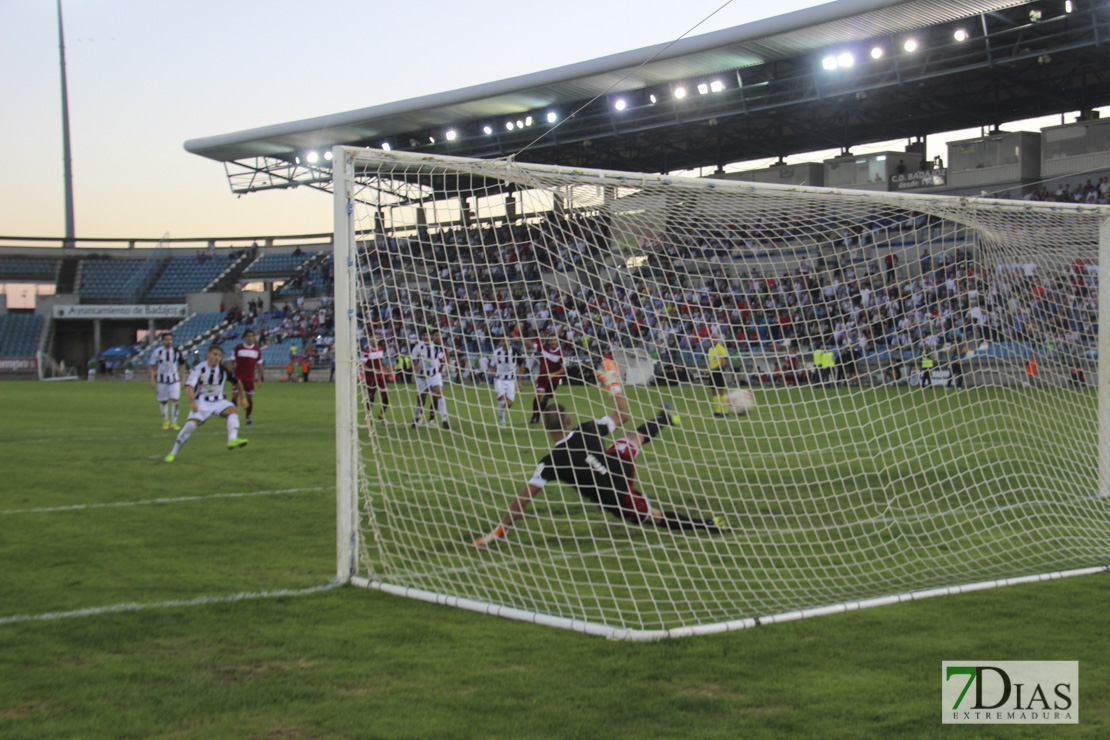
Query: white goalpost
x=929, y=412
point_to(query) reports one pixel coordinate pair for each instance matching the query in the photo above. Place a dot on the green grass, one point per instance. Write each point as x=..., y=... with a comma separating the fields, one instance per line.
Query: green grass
x=352, y=663
x=835, y=495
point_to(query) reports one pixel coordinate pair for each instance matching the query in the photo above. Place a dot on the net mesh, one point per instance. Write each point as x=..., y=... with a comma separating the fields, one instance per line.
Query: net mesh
x=924, y=371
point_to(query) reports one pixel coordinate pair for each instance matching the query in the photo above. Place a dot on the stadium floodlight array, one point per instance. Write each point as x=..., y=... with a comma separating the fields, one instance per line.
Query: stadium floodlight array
x=877, y=480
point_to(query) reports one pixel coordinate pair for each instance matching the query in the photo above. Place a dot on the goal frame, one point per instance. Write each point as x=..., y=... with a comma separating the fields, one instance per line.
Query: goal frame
x=347, y=404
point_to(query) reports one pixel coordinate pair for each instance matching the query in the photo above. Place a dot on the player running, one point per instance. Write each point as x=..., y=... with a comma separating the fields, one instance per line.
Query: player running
x=374, y=372
x=428, y=359
x=552, y=370
x=508, y=366
x=205, y=389
x=603, y=475
x=246, y=361
x=167, y=369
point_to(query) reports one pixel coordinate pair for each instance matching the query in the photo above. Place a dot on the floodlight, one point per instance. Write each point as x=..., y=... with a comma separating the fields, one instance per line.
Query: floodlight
x=297, y=160
x=327, y=155
x=680, y=92
x=653, y=99
x=620, y=104
x=312, y=157
x=1034, y=15
x=877, y=52
x=385, y=146
x=487, y=130
x=910, y=45
x=451, y=135
x=528, y=121
x=552, y=117
x=829, y=63
x=716, y=86
x=703, y=88
x=960, y=35
x=520, y=124
x=845, y=60
x=509, y=125
x=432, y=139
x=1067, y=6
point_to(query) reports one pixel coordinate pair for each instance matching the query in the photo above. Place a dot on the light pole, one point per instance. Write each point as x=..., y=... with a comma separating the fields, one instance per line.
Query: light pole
x=67, y=159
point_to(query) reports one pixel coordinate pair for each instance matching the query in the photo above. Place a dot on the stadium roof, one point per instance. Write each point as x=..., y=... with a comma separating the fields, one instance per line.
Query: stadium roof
x=775, y=97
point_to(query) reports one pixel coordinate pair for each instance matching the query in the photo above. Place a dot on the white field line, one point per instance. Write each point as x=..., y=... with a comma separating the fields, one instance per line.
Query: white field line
x=173, y=500
x=197, y=601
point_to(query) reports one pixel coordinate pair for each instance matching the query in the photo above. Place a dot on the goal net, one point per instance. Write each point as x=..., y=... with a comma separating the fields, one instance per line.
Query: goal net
x=924, y=370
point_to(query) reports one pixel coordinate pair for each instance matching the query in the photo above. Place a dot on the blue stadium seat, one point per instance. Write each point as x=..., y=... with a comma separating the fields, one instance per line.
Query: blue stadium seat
x=19, y=334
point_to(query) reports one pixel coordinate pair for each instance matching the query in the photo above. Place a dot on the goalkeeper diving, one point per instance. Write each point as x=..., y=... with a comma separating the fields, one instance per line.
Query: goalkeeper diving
x=603, y=475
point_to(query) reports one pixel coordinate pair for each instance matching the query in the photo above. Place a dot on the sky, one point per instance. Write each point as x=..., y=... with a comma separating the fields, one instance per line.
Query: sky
x=146, y=75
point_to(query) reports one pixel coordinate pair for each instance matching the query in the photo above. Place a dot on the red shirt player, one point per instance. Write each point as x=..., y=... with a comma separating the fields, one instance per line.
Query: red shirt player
x=374, y=373
x=245, y=361
x=552, y=370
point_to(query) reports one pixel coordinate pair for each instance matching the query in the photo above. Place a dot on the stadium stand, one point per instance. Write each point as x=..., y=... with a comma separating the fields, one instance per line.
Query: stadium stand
x=268, y=265
x=19, y=334
x=188, y=274
x=28, y=268
x=316, y=279
x=107, y=280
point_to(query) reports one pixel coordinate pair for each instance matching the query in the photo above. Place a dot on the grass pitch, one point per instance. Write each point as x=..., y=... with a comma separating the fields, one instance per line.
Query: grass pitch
x=90, y=519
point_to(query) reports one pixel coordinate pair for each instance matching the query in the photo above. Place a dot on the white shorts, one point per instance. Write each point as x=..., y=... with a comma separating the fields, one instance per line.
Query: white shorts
x=505, y=388
x=423, y=385
x=207, y=408
x=168, y=391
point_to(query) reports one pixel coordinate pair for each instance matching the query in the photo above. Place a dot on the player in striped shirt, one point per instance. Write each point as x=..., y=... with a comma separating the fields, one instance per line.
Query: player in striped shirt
x=205, y=389
x=428, y=359
x=167, y=370
x=508, y=366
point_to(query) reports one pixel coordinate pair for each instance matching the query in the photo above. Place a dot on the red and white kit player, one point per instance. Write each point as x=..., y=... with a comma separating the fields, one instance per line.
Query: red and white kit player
x=552, y=370
x=374, y=373
x=246, y=362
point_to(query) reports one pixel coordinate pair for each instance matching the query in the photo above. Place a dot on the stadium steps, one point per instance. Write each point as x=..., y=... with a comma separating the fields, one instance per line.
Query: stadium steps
x=69, y=276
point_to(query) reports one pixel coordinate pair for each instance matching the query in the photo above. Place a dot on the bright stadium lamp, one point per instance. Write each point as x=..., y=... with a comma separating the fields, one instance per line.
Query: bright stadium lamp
x=960, y=35
x=509, y=125
x=620, y=104
x=312, y=157
x=487, y=130
x=845, y=60
x=703, y=89
x=432, y=139
x=385, y=146
x=528, y=121
x=653, y=99
x=520, y=124
x=716, y=86
x=910, y=45
x=680, y=92
x=451, y=134
x=552, y=117
x=327, y=155
x=1068, y=6
x=829, y=63
x=877, y=52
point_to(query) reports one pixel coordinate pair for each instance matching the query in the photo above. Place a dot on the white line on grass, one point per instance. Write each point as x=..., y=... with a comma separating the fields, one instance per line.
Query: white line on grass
x=174, y=500
x=198, y=601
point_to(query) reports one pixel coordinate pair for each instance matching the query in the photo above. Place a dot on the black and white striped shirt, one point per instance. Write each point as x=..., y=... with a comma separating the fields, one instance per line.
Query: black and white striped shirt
x=166, y=362
x=505, y=363
x=429, y=359
x=208, y=382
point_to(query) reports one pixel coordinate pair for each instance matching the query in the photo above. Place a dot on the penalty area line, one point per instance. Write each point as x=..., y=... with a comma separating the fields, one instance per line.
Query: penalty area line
x=197, y=601
x=173, y=500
